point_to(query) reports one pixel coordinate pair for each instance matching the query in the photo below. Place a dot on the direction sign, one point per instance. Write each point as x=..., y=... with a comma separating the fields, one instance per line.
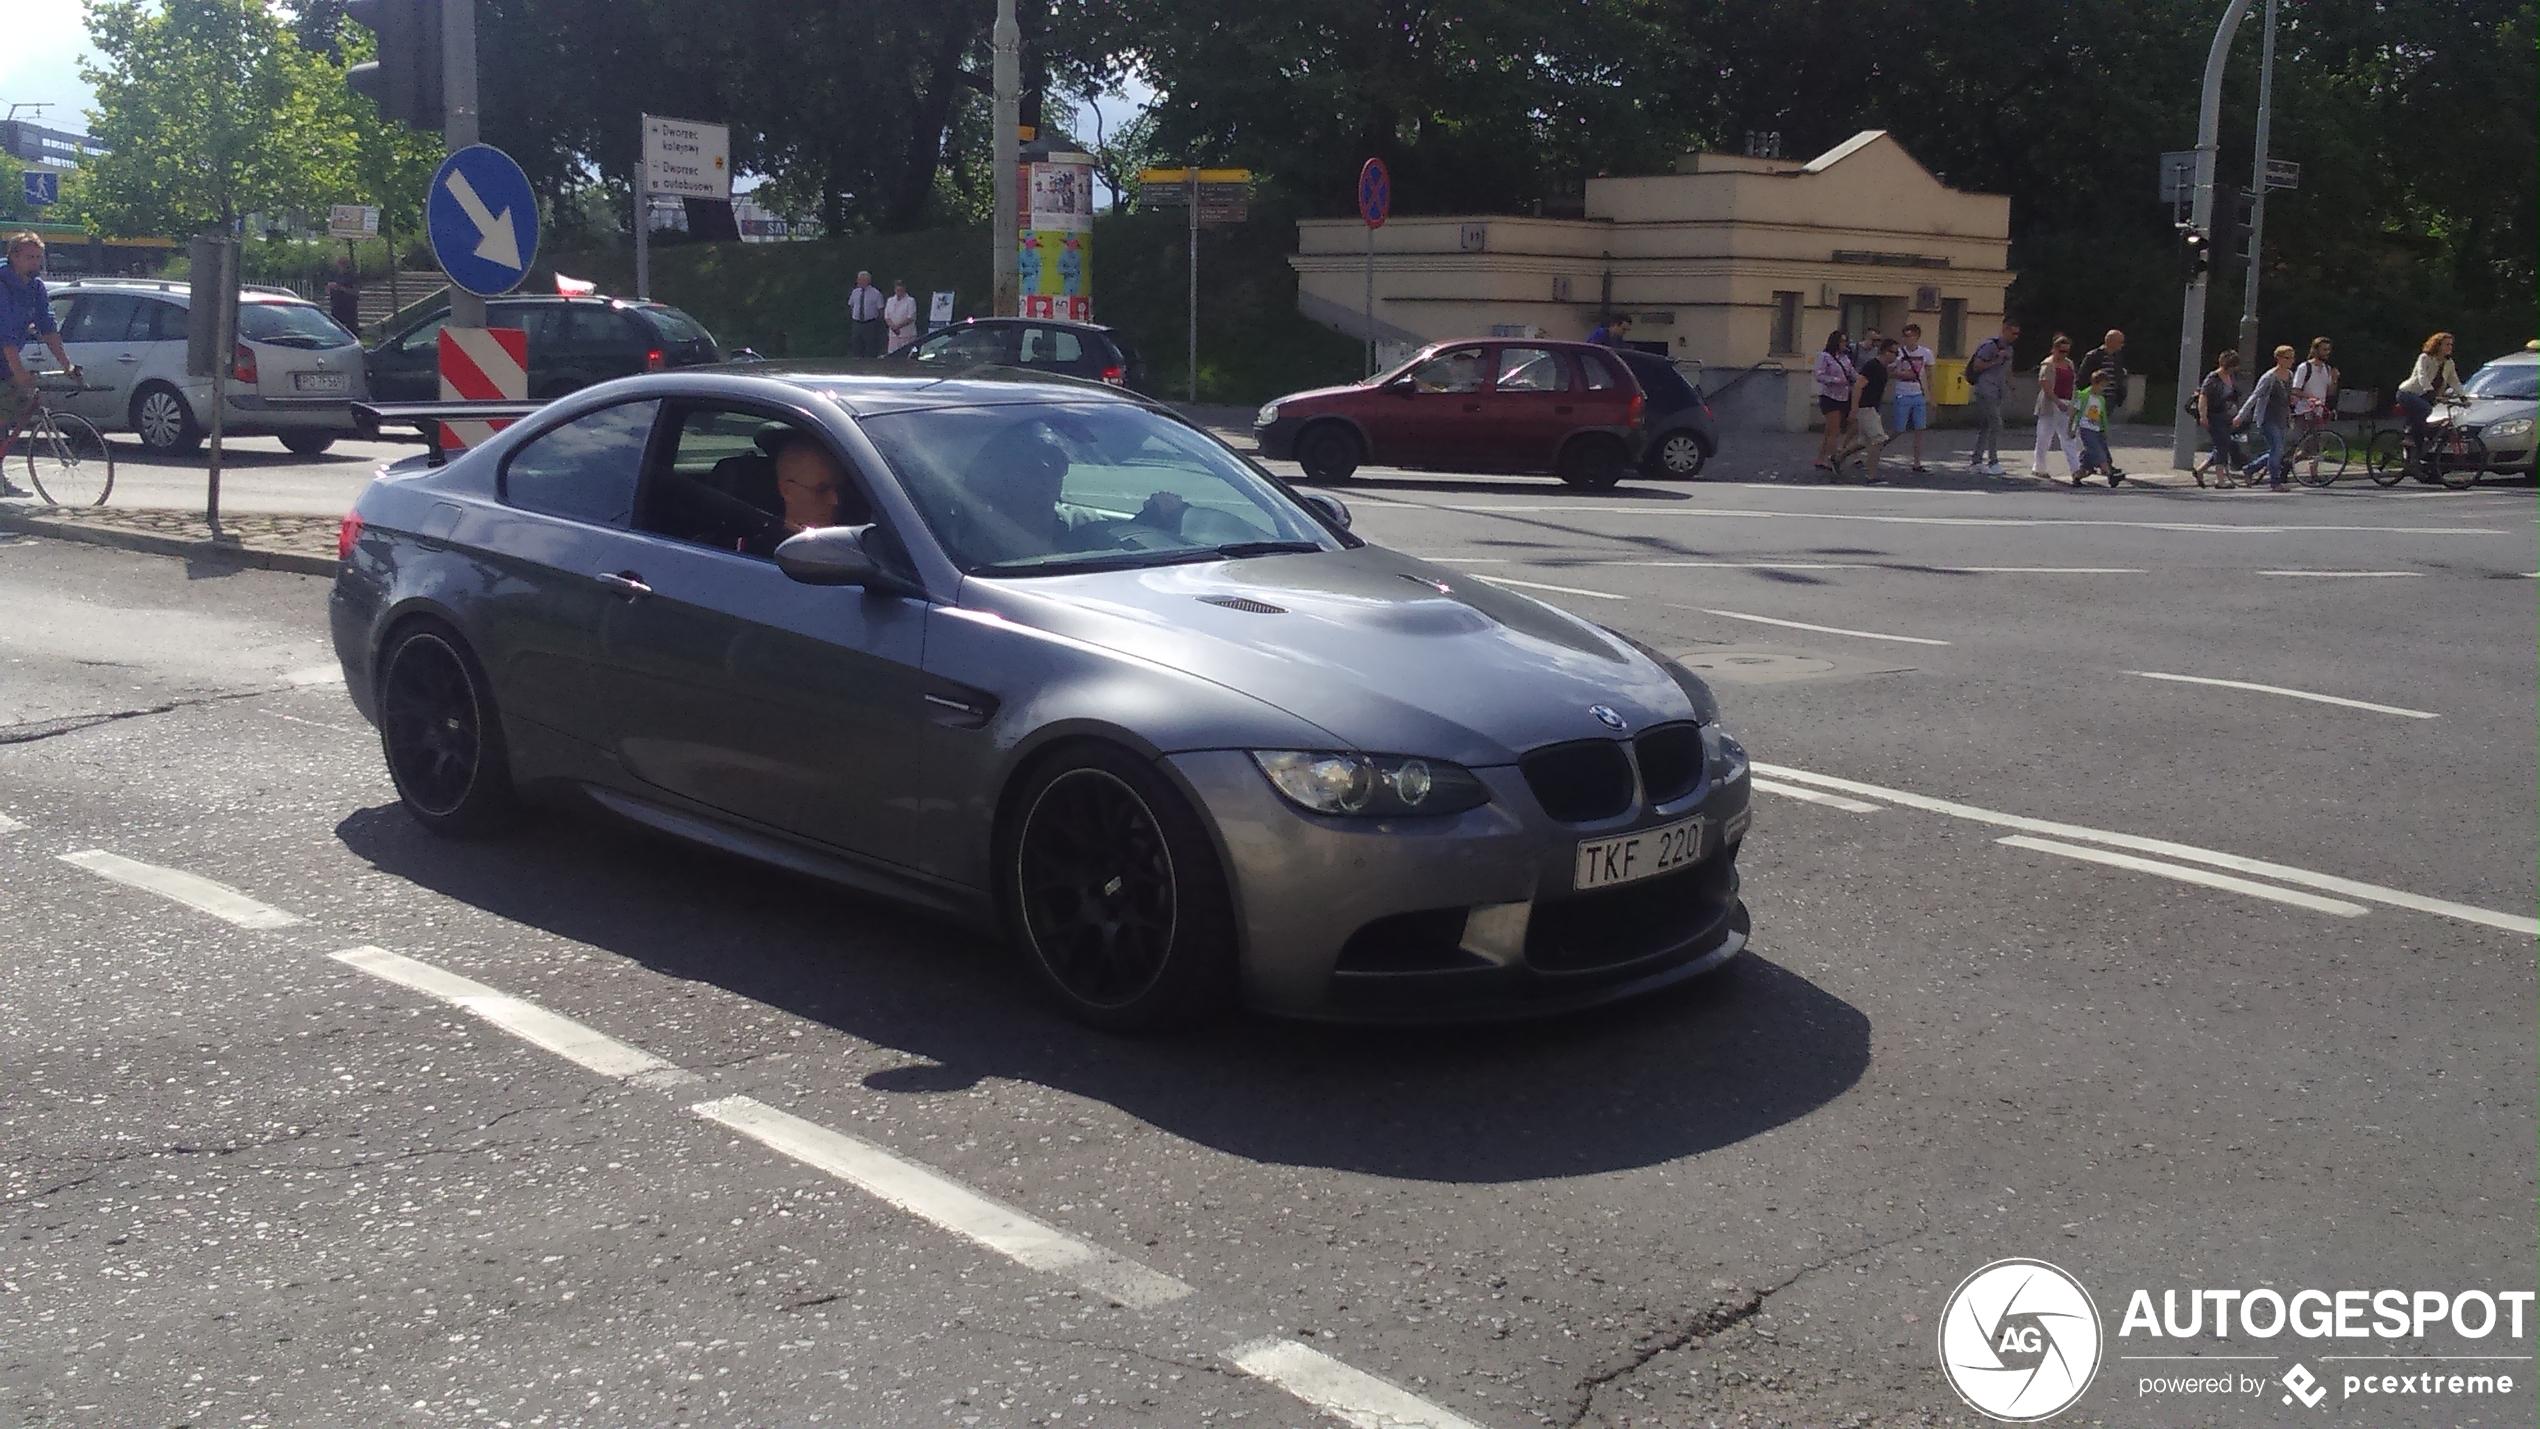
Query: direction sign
x=1375, y=193
x=2283, y=174
x=687, y=158
x=43, y=188
x=482, y=220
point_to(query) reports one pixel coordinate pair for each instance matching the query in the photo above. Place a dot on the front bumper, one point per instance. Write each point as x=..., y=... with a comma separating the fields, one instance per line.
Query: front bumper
x=1277, y=441
x=1468, y=917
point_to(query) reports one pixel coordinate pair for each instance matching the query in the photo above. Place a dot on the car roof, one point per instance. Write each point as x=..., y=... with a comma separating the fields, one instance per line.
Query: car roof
x=2515, y=359
x=863, y=391
x=158, y=287
x=1036, y=322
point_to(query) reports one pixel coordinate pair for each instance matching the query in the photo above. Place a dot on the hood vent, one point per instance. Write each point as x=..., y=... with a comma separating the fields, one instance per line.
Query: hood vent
x=1245, y=602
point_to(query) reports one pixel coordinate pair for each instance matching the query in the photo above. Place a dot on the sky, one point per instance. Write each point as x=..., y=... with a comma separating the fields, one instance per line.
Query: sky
x=40, y=61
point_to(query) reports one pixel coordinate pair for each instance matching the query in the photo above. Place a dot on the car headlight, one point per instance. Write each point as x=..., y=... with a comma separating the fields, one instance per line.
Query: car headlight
x=1269, y=413
x=1726, y=755
x=1706, y=706
x=1372, y=786
x=2518, y=427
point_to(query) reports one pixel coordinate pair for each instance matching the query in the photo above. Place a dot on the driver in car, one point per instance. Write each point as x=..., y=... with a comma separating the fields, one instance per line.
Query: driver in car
x=812, y=486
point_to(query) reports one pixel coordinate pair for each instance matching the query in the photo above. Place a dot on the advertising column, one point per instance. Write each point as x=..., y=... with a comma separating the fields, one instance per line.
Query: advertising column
x=1055, y=257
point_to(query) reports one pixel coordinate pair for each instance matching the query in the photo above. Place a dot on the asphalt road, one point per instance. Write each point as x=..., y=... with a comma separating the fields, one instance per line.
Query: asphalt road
x=2249, y=1004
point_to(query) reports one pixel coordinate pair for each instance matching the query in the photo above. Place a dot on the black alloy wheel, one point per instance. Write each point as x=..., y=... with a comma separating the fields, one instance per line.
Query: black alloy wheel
x=1328, y=452
x=1115, y=894
x=443, y=741
x=1678, y=455
x=1592, y=463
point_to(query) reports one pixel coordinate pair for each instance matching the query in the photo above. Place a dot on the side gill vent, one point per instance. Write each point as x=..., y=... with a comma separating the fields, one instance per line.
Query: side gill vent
x=1245, y=602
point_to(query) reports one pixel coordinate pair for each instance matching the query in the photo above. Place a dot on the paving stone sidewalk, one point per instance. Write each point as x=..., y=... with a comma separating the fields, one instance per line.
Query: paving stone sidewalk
x=305, y=544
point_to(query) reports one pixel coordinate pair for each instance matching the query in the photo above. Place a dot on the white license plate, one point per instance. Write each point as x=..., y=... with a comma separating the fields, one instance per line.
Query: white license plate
x=321, y=382
x=1603, y=863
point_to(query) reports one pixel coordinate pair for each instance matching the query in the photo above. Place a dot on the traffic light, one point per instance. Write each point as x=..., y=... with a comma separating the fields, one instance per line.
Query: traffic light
x=405, y=81
x=2199, y=253
x=2231, y=218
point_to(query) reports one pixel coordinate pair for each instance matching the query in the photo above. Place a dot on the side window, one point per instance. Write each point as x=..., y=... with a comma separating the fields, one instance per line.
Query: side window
x=728, y=481
x=158, y=322
x=62, y=312
x=426, y=338
x=101, y=317
x=1460, y=370
x=1532, y=369
x=1600, y=374
x=1051, y=347
x=588, y=325
x=964, y=347
x=584, y=470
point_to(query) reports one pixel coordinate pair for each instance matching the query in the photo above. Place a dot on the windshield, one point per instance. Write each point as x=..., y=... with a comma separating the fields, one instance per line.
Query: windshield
x=290, y=325
x=1046, y=488
x=678, y=326
x=2505, y=382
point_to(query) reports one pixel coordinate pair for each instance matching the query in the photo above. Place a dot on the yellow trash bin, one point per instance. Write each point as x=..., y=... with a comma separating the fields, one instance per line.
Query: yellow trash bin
x=1949, y=383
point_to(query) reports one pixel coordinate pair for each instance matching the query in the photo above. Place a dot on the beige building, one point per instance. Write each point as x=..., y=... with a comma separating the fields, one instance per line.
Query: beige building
x=1736, y=263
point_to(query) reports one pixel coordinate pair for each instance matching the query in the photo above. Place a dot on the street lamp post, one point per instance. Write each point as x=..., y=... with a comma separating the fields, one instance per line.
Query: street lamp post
x=2258, y=193
x=1006, y=71
x=2191, y=335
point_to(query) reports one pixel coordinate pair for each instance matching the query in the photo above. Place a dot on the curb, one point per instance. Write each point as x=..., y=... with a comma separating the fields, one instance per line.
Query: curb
x=147, y=543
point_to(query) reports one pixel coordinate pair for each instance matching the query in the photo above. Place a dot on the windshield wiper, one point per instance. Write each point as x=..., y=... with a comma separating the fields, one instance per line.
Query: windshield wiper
x=1240, y=549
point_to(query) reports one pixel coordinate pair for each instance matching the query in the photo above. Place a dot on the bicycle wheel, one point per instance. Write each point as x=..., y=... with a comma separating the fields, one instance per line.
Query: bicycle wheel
x=2319, y=458
x=2385, y=456
x=2459, y=460
x=69, y=463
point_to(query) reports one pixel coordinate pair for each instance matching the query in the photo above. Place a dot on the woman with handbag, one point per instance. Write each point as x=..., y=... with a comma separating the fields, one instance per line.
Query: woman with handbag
x=2055, y=408
x=2217, y=398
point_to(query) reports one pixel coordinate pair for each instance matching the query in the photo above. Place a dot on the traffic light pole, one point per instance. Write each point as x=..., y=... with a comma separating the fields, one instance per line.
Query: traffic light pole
x=2258, y=195
x=458, y=120
x=1006, y=151
x=2191, y=335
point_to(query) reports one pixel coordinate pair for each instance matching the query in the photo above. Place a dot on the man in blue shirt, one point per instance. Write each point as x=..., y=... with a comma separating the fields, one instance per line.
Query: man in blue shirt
x=26, y=314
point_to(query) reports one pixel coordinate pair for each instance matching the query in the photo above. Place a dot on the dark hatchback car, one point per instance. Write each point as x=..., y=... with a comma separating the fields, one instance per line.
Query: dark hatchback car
x=1067, y=349
x=1678, y=433
x=1050, y=659
x=1512, y=404
x=573, y=343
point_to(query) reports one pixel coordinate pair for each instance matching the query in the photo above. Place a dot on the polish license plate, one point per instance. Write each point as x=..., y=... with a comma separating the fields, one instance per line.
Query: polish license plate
x=321, y=382
x=1629, y=858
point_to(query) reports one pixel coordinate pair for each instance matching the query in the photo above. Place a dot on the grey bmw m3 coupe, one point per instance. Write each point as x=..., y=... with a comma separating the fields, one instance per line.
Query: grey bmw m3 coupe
x=1046, y=658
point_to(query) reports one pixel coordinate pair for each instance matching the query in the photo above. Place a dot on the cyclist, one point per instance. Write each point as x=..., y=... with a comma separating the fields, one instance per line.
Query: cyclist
x=2434, y=380
x=2315, y=387
x=26, y=313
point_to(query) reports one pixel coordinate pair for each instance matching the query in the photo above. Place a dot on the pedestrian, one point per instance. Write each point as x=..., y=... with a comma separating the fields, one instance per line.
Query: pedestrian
x=2097, y=409
x=899, y=314
x=1911, y=371
x=1989, y=381
x=2217, y=398
x=2434, y=380
x=864, y=317
x=1838, y=382
x=2108, y=356
x=2270, y=410
x=2055, y=384
x=1613, y=332
x=344, y=296
x=1867, y=429
x=2315, y=386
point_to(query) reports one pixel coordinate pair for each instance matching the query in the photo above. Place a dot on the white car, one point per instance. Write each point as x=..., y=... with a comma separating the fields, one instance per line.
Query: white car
x=294, y=373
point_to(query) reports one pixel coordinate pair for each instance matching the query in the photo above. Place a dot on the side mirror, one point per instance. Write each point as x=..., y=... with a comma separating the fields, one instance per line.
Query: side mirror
x=1402, y=387
x=830, y=555
x=1331, y=508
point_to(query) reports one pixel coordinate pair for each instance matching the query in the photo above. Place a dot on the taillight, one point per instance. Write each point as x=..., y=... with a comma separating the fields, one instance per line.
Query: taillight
x=653, y=361
x=1116, y=376
x=1632, y=416
x=347, y=533
x=242, y=364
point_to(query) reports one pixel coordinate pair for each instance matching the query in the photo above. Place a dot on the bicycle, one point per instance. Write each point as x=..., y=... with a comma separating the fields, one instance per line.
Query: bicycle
x=2319, y=455
x=2382, y=448
x=67, y=460
x=2452, y=456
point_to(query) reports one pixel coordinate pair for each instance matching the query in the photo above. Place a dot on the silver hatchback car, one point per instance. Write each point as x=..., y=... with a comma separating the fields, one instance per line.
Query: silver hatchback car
x=294, y=374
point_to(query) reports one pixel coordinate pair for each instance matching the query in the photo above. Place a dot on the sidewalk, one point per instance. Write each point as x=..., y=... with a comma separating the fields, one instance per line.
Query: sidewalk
x=305, y=544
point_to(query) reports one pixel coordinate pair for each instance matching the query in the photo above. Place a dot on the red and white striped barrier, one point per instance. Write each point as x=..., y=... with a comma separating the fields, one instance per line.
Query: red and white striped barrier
x=482, y=364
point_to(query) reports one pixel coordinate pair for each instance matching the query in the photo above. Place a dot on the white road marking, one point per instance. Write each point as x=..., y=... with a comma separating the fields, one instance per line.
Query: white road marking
x=2043, y=570
x=316, y=675
x=194, y=891
x=931, y=1196
x=1352, y=1396
x=1538, y=585
x=318, y=723
x=2347, y=575
x=1726, y=513
x=1742, y=565
x=580, y=1045
x=1820, y=629
x=2185, y=874
x=1812, y=796
x=2282, y=873
x=2290, y=694
x=9, y=825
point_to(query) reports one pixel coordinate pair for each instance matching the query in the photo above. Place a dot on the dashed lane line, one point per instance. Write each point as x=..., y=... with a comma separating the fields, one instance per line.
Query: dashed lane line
x=9, y=825
x=1820, y=629
x=2282, y=873
x=2220, y=528
x=1352, y=1396
x=2043, y=570
x=2290, y=694
x=931, y=1196
x=1812, y=796
x=2184, y=874
x=2349, y=575
x=193, y=890
x=1561, y=589
x=576, y=1043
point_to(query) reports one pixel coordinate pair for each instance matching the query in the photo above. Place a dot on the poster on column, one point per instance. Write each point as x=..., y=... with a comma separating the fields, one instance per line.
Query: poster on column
x=1055, y=256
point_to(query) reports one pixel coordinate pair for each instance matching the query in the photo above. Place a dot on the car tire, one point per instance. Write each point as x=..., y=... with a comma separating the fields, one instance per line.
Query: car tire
x=308, y=443
x=1677, y=456
x=1113, y=893
x=163, y=421
x=441, y=734
x=1592, y=463
x=1329, y=452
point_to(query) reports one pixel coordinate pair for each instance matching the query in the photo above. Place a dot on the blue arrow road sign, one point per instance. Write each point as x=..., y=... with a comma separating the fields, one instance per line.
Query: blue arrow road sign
x=483, y=220
x=43, y=188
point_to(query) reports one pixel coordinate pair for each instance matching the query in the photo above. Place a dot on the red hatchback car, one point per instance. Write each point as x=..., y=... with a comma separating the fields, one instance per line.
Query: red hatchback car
x=1493, y=404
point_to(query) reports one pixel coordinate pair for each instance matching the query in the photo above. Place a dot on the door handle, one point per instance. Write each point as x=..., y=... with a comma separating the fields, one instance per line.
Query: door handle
x=129, y=357
x=627, y=584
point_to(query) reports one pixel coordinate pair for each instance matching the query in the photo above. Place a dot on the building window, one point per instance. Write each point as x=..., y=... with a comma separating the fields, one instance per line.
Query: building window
x=1953, y=327
x=1785, y=322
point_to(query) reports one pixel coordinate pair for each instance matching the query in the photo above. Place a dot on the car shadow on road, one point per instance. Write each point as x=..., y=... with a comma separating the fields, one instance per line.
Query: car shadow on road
x=1630, y=489
x=1728, y=1057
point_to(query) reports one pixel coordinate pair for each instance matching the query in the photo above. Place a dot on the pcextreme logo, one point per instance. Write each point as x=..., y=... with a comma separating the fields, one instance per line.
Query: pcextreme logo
x=2019, y=1340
